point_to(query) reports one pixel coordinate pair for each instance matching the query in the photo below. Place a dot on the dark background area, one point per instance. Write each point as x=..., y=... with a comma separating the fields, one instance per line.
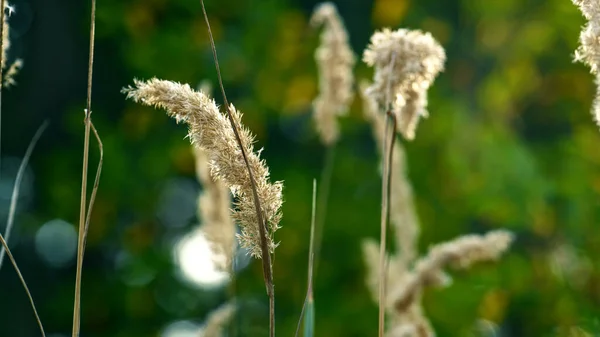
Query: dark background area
x=510, y=143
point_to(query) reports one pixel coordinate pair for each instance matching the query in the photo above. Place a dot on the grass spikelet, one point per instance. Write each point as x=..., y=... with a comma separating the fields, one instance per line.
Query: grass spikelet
x=406, y=63
x=5, y=31
x=209, y=130
x=335, y=61
x=403, y=301
x=11, y=73
x=458, y=253
x=588, y=51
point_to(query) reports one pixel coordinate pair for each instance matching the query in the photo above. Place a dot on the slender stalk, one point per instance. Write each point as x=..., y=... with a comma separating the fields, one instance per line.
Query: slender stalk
x=385, y=213
x=266, y=257
x=11, y=216
x=386, y=180
x=15, y=193
x=14, y=263
x=390, y=157
x=309, y=300
x=84, y=173
x=382, y=238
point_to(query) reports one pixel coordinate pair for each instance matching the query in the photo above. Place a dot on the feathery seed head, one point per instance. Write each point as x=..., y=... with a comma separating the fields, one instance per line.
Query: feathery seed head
x=405, y=285
x=9, y=10
x=461, y=252
x=335, y=61
x=13, y=70
x=589, y=8
x=406, y=63
x=588, y=51
x=210, y=130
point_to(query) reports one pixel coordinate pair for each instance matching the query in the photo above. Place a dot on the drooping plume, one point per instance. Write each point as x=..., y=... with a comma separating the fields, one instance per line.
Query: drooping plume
x=403, y=302
x=210, y=130
x=459, y=253
x=335, y=60
x=406, y=63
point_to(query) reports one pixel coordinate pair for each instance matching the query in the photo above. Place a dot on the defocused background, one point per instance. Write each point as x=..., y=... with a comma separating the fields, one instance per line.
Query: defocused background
x=510, y=144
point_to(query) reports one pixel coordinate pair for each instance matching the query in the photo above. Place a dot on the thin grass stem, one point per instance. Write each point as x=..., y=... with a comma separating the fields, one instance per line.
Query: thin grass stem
x=386, y=179
x=84, y=173
x=14, y=263
x=15, y=193
x=382, y=238
x=11, y=215
x=266, y=257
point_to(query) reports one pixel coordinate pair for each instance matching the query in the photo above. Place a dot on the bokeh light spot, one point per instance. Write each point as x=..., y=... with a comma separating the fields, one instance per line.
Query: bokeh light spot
x=181, y=329
x=56, y=243
x=197, y=261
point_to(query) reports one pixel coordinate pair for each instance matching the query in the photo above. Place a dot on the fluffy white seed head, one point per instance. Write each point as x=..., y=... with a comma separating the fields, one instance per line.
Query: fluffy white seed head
x=406, y=63
x=588, y=51
x=210, y=130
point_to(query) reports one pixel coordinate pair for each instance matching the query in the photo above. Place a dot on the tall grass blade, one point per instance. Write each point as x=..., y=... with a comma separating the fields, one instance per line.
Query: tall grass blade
x=308, y=308
x=323, y=200
x=14, y=263
x=309, y=318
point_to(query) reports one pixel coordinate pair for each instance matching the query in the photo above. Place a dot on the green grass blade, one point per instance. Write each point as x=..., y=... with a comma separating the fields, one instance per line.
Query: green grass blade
x=309, y=318
x=307, y=315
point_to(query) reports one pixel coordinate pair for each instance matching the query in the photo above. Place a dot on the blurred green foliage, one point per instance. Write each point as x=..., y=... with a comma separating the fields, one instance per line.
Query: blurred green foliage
x=510, y=144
